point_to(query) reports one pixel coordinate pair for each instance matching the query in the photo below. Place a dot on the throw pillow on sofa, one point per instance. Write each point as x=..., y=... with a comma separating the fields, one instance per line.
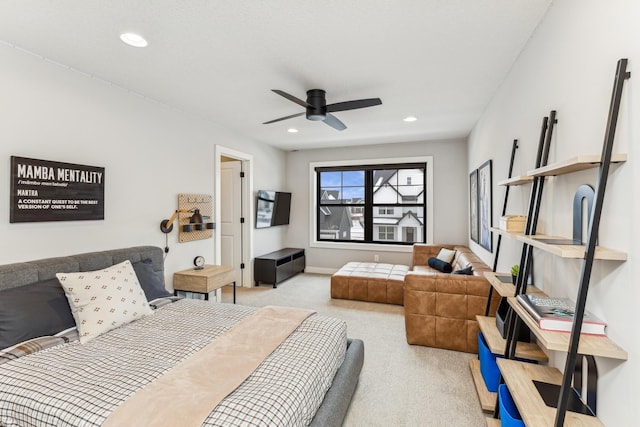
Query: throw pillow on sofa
x=440, y=265
x=467, y=270
x=446, y=255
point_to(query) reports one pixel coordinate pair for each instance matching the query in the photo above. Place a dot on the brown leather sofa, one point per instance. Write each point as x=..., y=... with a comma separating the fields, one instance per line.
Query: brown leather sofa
x=441, y=308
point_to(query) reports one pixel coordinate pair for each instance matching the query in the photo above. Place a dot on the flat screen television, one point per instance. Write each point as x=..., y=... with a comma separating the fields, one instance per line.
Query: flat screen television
x=272, y=208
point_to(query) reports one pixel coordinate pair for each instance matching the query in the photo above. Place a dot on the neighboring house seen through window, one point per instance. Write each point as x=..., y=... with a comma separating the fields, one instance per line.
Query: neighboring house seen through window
x=371, y=203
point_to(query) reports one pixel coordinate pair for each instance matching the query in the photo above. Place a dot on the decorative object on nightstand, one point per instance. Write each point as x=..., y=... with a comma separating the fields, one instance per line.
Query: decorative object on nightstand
x=204, y=280
x=198, y=263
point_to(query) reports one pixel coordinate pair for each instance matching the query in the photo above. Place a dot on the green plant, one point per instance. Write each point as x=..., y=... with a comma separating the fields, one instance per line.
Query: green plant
x=514, y=269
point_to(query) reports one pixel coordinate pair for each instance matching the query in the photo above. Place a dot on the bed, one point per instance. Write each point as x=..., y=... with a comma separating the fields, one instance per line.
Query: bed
x=308, y=379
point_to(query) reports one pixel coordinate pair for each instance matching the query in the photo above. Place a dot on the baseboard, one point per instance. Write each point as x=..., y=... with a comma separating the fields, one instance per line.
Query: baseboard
x=320, y=270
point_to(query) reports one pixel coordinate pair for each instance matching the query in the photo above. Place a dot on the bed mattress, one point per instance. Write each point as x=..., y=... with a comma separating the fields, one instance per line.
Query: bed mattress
x=80, y=385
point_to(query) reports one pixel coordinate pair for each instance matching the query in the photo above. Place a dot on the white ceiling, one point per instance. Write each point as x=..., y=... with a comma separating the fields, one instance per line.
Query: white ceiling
x=438, y=60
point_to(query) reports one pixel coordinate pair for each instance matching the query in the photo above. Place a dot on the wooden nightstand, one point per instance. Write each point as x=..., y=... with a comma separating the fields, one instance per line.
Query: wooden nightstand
x=205, y=280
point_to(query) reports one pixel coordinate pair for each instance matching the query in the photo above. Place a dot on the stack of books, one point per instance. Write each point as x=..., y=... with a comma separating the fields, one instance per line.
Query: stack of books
x=557, y=314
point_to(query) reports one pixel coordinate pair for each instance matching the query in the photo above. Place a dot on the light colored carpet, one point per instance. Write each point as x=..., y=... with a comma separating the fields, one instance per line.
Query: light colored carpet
x=400, y=384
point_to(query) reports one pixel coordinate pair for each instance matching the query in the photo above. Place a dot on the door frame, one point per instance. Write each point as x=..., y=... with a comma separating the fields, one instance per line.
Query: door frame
x=248, y=208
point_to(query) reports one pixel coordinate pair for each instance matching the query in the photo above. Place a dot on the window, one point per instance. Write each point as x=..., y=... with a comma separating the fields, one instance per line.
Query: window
x=383, y=203
x=386, y=233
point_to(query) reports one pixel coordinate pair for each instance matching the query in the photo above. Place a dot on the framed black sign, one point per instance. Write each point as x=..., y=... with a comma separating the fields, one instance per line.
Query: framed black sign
x=43, y=190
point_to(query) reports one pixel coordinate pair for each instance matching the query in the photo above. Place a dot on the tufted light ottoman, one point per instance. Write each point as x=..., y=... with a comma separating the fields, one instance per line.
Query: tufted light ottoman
x=370, y=281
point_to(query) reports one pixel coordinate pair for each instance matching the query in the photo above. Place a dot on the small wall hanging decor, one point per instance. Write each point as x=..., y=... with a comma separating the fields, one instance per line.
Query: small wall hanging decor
x=194, y=218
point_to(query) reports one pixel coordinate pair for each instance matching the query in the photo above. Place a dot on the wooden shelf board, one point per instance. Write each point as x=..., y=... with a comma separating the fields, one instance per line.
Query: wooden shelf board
x=493, y=422
x=516, y=180
x=487, y=399
x=510, y=234
x=574, y=164
x=559, y=341
x=504, y=289
x=497, y=344
x=571, y=251
x=507, y=289
x=519, y=378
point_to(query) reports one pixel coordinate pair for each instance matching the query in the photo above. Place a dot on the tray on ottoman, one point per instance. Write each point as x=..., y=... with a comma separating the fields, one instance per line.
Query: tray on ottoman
x=370, y=281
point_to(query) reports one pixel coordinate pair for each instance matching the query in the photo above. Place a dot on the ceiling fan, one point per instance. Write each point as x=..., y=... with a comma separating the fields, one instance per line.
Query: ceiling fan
x=318, y=110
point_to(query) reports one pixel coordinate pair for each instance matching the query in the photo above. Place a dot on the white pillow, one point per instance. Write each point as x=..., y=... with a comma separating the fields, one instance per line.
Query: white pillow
x=102, y=300
x=446, y=255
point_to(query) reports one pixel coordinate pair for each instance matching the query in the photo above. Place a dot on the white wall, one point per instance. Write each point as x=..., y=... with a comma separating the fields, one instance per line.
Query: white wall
x=450, y=197
x=568, y=65
x=150, y=153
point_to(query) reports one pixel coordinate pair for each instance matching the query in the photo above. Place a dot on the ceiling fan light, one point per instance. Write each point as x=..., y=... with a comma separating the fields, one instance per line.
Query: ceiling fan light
x=133, y=39
x=316, y=117
x=292, y=130
x=410, y=119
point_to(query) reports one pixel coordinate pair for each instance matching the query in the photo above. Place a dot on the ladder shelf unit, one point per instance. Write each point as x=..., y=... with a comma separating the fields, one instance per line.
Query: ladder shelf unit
x=544, y=395
x=505, y=287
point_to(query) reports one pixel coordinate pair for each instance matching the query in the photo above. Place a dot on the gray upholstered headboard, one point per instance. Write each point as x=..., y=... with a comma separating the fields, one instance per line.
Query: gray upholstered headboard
x=24, y=273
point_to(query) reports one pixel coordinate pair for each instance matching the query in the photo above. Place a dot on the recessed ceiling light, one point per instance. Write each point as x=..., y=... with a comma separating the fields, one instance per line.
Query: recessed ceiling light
x=133, y=39
x=410, y=119
x=292, y=130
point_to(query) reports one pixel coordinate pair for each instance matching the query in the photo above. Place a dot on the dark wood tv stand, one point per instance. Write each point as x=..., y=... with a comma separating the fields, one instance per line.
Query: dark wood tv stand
x=278, y=266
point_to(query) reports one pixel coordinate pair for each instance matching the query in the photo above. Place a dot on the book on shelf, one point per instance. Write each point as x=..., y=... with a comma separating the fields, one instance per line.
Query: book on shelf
x=557, y=314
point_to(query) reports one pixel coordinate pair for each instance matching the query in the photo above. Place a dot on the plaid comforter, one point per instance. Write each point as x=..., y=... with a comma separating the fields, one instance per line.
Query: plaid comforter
x=79, y=385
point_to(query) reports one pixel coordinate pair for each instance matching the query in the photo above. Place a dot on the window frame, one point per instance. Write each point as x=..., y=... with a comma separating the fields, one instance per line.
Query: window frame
x=426, y=161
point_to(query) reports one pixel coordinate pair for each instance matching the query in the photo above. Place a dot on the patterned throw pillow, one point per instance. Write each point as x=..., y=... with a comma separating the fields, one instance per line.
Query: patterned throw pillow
x=102, y=300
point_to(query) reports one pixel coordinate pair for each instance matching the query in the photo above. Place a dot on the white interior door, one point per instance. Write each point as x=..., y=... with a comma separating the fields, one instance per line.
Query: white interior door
x=230, y=214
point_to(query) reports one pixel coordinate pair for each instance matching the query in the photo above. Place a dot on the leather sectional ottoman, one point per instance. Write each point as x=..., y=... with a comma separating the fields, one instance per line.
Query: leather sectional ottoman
x=370, y=281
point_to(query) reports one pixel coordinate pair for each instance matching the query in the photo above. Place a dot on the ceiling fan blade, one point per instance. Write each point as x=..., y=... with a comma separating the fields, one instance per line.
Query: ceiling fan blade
x=292, y=98
x=333, y=121
x=352, y=105
x=285, y=118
